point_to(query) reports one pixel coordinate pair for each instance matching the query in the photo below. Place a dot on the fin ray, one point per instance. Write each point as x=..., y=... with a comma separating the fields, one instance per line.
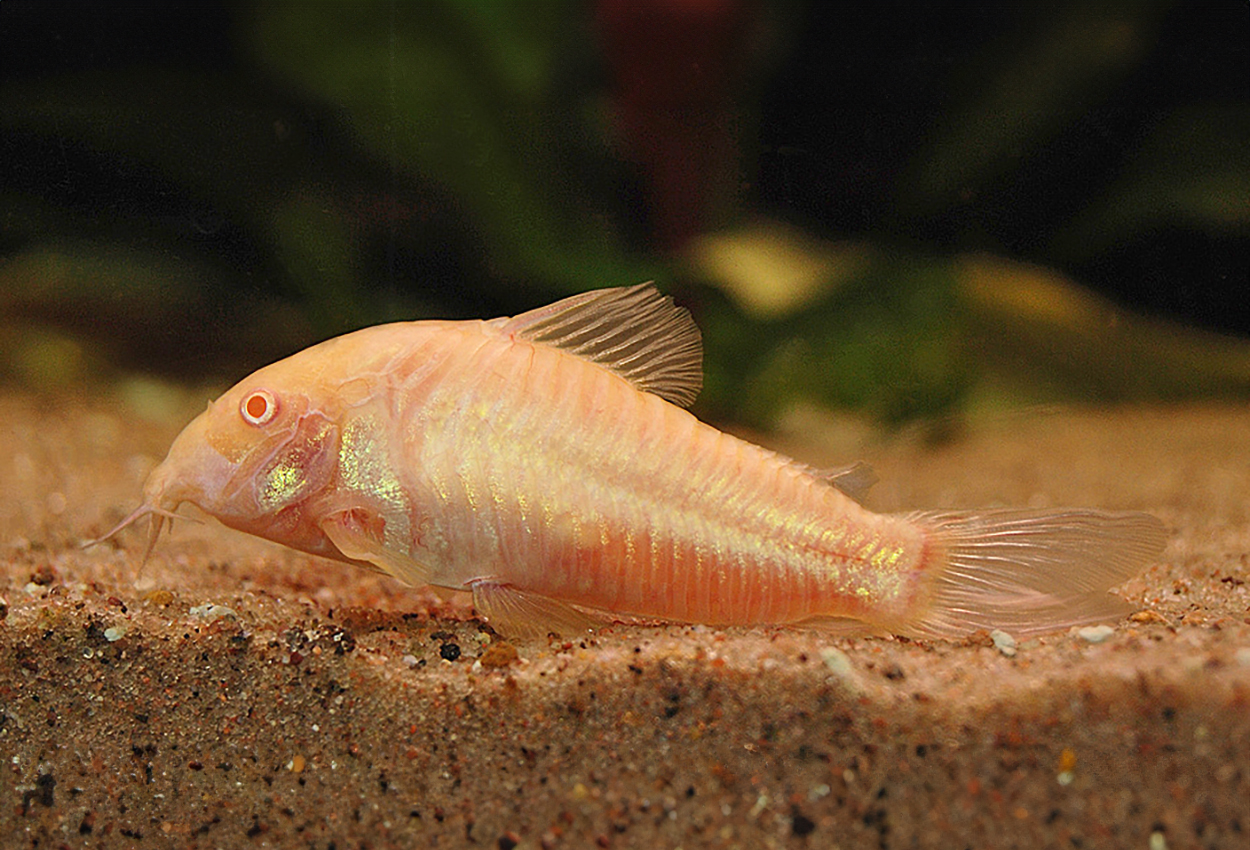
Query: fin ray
x=1030, y=571
x=350, y=536
x=854, y=480
x=633, y=331
x=516, y=613
x=831, y=625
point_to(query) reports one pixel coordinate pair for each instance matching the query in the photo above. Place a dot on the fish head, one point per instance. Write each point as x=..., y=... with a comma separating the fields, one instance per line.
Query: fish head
x=262, y=448
x=252, y=459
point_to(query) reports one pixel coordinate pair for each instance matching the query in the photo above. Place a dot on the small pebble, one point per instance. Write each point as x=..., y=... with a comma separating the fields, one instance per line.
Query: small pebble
x=840, y=666
x=57, y=503
x=158, y=597
x=499, y=654
x=114, y=633
x=1003, y=642
x=1095, y=634
x=1067, y=764
x=837, y=661
x=209, y=611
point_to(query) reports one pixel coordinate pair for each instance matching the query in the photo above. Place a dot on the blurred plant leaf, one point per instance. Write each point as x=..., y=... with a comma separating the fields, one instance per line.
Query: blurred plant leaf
x=465, y=94
x=312, y=242
x=1035, y=331
x=128, y=307
x=771, y=269
x=919, y=337
x=878, y=335
x=888, y=345
x=1021, y=94
x=269, y=190
x=1193, y=170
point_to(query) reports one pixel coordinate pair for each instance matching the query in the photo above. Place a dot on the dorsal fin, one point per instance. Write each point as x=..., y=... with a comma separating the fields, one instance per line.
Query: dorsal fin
x=632, y=330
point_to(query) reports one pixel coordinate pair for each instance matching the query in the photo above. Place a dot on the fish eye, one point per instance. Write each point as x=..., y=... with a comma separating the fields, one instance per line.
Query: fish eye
x=258, y=407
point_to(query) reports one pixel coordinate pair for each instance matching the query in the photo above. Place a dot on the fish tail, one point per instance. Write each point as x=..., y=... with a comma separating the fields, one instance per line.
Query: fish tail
x=1028, y=571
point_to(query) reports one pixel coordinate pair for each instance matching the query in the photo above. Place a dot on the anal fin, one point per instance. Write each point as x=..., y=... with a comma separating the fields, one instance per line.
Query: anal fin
x=516, y=613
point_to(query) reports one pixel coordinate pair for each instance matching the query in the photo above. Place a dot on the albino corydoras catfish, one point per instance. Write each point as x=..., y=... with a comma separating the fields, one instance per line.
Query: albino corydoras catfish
x=546, y=464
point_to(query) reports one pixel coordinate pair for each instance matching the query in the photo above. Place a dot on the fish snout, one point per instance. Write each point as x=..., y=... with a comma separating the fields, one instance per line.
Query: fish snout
x=159, y=504
x=192, y=472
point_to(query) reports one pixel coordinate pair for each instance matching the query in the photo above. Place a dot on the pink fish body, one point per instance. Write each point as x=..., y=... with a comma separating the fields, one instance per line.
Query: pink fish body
x=544, y=464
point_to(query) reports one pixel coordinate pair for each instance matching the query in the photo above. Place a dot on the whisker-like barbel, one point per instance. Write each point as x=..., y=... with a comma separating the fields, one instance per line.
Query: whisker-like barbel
x=158, y=518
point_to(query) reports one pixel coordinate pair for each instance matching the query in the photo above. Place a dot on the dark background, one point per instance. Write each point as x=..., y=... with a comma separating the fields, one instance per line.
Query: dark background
x=839, y=126
x=193, y=189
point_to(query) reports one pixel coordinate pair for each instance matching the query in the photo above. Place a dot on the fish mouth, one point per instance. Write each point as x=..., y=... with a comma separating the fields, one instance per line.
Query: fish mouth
x=191, y=472
x=163, y=493
x=202, y=469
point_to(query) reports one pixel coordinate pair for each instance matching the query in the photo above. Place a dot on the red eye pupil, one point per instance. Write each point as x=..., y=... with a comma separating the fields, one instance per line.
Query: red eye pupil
x=256, y=406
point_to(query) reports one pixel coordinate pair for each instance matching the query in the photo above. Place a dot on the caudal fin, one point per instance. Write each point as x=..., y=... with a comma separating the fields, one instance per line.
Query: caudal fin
x=1030, y=571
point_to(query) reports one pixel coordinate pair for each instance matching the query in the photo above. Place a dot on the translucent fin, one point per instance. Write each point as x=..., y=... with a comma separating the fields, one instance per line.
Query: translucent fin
x=352, y=535
x=632, y=330
x=518, y=613
x=1026, y=571
x=839, y=626
x=854, y=481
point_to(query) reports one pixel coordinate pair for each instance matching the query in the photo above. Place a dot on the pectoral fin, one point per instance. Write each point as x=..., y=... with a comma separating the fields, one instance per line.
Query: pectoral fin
x=360, y=538
x=518, y=613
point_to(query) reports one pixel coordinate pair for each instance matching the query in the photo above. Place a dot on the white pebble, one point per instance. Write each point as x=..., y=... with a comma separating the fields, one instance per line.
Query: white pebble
x=838, y=662
x=840, y=666
x=209, y=611
x=1003, y=642
x=114, y=633
x=1095, y=634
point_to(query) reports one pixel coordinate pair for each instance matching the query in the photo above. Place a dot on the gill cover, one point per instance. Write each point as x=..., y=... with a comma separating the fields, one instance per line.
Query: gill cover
x=300, y=467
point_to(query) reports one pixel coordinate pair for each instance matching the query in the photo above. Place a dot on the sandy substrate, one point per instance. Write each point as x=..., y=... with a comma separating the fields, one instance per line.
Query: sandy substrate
x=234, y=694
